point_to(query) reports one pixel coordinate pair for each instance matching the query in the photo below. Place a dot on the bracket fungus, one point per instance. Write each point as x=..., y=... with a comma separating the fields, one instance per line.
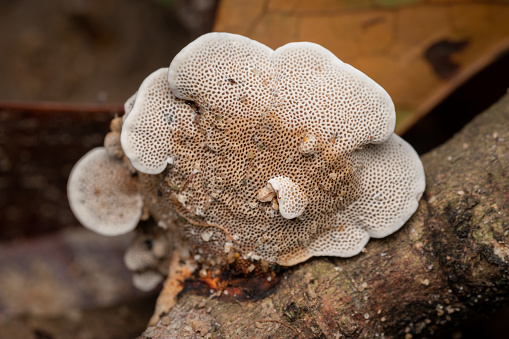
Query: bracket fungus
x=233, y=125
x=103, y=195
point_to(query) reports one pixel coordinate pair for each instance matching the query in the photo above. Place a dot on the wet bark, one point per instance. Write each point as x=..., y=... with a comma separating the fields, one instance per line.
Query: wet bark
x=445, y=266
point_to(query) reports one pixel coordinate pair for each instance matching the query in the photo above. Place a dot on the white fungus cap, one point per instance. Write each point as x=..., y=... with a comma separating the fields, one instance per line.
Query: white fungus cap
x=393, y=181
x=147, y=281
x=138, y=257
x=145, y=252
x=234, y=115
x=103, y=195
x=291, y=199
x=155, y=114
x=304, y=84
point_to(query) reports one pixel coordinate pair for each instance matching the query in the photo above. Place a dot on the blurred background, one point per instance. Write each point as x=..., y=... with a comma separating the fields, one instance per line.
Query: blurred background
x=67, y=66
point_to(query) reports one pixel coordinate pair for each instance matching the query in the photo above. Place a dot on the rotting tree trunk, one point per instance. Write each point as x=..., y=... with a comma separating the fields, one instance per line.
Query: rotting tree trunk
x=447, y=264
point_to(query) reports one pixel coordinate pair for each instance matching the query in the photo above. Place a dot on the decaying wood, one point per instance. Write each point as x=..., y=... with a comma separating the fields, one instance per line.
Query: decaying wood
x=178, y=272
x=447, y=264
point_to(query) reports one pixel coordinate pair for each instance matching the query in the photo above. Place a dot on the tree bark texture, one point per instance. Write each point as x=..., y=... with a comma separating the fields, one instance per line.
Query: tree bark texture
x=447, y=264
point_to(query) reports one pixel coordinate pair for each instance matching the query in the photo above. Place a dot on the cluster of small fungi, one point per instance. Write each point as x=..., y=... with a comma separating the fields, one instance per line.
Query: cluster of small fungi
x=246, y=153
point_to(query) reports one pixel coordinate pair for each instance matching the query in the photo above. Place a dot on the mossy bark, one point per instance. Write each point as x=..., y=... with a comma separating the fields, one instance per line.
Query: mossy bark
x=447, y=264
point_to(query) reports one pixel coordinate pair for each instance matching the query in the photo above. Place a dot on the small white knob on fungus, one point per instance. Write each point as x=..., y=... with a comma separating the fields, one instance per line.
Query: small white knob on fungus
x=103, y=194
x=290, y=197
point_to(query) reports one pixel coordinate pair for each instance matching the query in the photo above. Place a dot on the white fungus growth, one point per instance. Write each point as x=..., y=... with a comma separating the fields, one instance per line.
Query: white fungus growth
x=112, y=145
x=291, y=199
x=296, y=151
x=139, y=256
x=103, y=195
x=148, y=280
x=154, y=110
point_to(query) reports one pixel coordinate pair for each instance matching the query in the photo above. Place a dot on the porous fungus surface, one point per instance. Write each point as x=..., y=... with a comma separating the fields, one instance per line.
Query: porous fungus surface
x=231, y=116
x=103, y=194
